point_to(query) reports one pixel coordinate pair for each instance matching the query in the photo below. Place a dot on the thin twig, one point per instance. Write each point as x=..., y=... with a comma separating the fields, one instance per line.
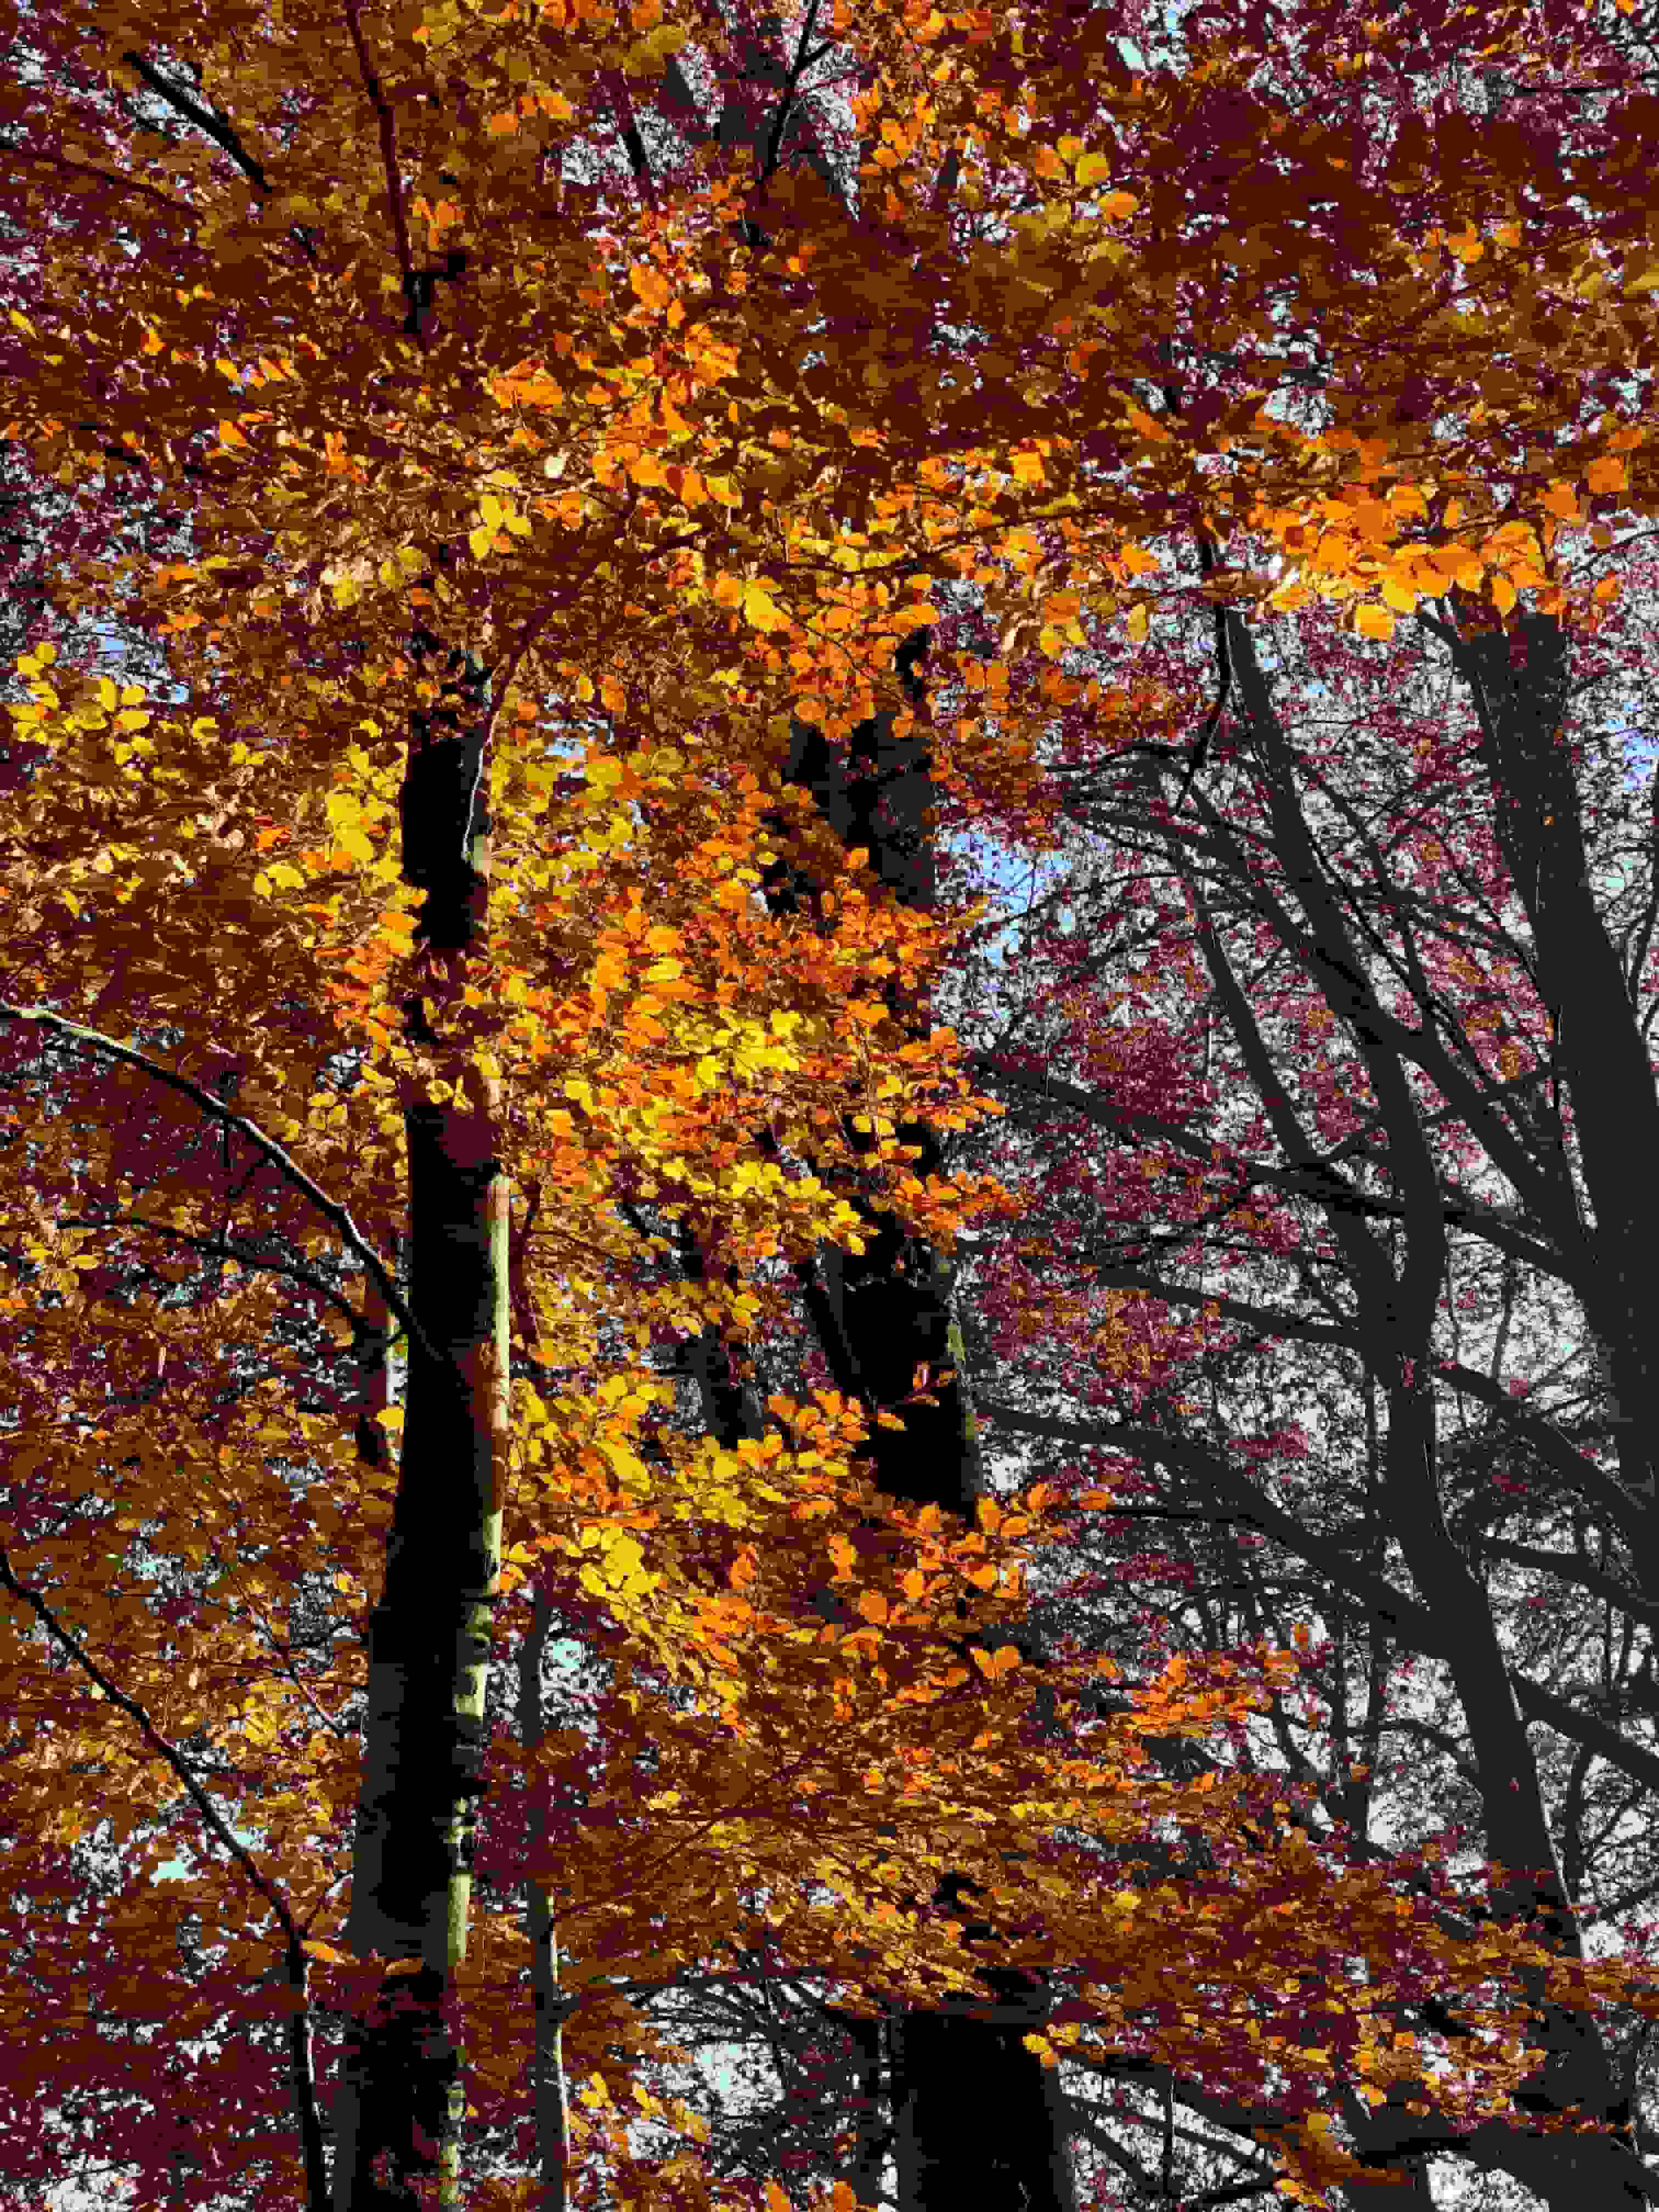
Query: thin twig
x=330, y=1209
x=294, y=1957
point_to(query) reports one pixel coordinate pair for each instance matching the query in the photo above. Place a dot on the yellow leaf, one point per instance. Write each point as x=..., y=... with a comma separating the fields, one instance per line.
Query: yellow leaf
x=107, y=694
x=481, y=540
x=1400, y=596
x=762, y=611
x=1137, y=622
x=1028, y=468
x=872, y=1605
x=1504, y=594
x=491, y=510
x=1606, y=475
x=502, y=125
x=645, y=56
x=1375, y=622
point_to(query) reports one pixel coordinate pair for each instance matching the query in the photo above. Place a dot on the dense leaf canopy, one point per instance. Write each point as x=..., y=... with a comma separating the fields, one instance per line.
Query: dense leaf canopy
x=1226, y=451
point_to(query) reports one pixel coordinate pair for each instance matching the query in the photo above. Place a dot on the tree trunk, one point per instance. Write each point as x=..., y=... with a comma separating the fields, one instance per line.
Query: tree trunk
x=1520, y=680
x=977, y=2118
x=553, y=2007
x=401, y=2101
x=868, y=2162
x=1385, y=2132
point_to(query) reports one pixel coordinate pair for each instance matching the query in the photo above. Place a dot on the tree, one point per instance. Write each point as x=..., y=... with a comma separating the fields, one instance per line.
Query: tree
x=697, y=604
x=1335, y=963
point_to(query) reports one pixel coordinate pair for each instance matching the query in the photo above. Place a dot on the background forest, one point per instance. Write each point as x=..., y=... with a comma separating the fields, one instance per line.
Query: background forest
x=831, y=852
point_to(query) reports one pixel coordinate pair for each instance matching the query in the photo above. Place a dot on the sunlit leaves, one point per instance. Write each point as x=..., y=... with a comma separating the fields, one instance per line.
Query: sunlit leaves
x=761, y=611
x=686, y=493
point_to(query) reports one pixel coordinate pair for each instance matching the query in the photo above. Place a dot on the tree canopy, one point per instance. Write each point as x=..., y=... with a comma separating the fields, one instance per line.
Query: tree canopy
x=648, y=523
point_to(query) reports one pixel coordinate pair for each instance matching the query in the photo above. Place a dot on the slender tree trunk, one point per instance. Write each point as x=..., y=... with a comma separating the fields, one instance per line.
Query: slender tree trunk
x=401, y=2100
x=874, y=2135
x=553, y=2007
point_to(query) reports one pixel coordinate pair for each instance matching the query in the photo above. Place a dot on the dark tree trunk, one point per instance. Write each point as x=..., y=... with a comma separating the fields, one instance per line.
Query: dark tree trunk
x=401, y=2100
x=977, y=2118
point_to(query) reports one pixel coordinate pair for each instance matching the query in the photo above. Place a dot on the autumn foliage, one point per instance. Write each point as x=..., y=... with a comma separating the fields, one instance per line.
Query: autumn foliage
x=668, y=393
